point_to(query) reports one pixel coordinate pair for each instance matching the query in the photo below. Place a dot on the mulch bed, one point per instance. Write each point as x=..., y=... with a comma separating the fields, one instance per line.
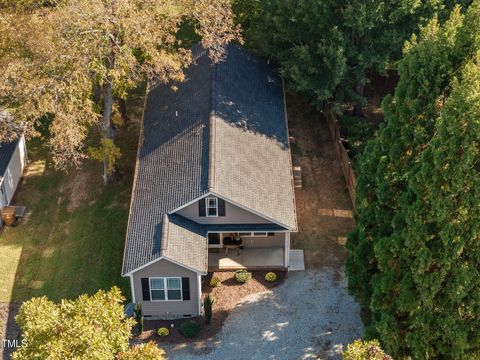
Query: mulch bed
x=226, y=295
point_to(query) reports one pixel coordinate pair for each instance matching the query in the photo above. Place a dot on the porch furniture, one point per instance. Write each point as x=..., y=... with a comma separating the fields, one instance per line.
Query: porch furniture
x=232, y=243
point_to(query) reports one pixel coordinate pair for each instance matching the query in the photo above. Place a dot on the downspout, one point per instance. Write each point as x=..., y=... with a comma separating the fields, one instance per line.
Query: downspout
x=132, y=286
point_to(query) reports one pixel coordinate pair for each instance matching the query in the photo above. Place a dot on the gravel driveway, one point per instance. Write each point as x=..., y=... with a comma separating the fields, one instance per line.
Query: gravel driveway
x=311, y=316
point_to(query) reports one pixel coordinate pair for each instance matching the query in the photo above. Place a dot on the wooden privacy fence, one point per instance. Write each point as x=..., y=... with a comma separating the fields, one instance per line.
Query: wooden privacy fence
x=342, y=153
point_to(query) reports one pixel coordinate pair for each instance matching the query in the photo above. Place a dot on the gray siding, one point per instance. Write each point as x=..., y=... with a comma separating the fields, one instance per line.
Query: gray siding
x=167, y=309
x=233, y=215
x=14, y=171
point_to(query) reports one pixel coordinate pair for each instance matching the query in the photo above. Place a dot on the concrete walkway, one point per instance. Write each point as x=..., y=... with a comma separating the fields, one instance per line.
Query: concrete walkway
x=297, y=261
x=311, y=316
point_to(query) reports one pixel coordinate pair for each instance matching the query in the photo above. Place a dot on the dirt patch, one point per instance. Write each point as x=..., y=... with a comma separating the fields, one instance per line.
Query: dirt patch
x=324, y=209
x=227, y=295
x=77, y=188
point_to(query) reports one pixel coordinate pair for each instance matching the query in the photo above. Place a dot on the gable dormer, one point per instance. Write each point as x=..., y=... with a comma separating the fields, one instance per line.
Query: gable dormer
x=215, y=210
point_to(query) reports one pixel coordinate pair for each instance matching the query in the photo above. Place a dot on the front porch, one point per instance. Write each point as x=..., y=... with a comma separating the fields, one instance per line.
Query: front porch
x=265, y=258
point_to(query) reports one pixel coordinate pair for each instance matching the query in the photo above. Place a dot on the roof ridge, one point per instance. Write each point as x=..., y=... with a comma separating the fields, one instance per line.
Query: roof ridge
x=212, y=125
x=164, y=240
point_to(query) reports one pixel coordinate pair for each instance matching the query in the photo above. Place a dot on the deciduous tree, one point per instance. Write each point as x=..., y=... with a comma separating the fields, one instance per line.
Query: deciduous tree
x=148, y=351
x=326, y=48
x=65, y=52
x=90, y=327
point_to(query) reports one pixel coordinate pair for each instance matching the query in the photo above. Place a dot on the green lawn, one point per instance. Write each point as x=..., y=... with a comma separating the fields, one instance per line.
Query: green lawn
x=72, y=240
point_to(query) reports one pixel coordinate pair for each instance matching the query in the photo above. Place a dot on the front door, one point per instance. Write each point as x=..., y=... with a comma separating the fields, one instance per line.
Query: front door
x=215, y=240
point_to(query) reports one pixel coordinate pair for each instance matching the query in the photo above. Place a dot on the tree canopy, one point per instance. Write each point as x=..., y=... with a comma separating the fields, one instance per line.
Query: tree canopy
x=414, y=258
x=89, y=327
x=326, y=48
x=71, y=58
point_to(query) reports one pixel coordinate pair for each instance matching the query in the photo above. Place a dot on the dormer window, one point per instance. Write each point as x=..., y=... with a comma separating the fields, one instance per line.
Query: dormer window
x=212, y=207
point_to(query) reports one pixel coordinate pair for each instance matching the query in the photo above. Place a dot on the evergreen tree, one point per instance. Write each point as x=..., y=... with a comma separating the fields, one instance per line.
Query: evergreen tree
x=414, y=257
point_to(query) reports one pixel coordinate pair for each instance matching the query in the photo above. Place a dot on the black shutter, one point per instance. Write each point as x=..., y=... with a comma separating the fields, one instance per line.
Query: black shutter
x=221, y=207
x=185, y=288
x=201, y=207
x=146, y=289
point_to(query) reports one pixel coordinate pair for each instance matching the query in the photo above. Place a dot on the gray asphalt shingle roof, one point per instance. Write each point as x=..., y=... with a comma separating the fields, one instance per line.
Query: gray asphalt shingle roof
x=223, y=130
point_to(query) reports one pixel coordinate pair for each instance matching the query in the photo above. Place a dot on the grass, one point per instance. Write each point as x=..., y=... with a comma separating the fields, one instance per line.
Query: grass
x=72, y=240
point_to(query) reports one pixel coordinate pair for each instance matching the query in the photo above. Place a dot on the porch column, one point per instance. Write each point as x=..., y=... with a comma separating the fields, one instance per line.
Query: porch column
x=287, y=250
x=199, y=285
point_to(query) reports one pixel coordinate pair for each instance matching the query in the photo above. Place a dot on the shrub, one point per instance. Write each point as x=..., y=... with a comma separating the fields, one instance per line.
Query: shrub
x=365, y=350
x=207, y=307
x=271, y=277
x=214, y=282
x=163, y=332
x=189, y=329
x=242, y=276
x=138, y=317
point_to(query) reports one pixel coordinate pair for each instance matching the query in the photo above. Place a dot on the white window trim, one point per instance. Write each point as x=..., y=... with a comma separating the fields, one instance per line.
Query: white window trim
x=165, y=288
x=207, y=207
x=263, y=234
x=252, y=233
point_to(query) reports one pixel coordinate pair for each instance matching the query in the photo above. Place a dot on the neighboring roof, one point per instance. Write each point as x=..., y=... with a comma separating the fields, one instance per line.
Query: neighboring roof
x=223, y=130
x=6, y=152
